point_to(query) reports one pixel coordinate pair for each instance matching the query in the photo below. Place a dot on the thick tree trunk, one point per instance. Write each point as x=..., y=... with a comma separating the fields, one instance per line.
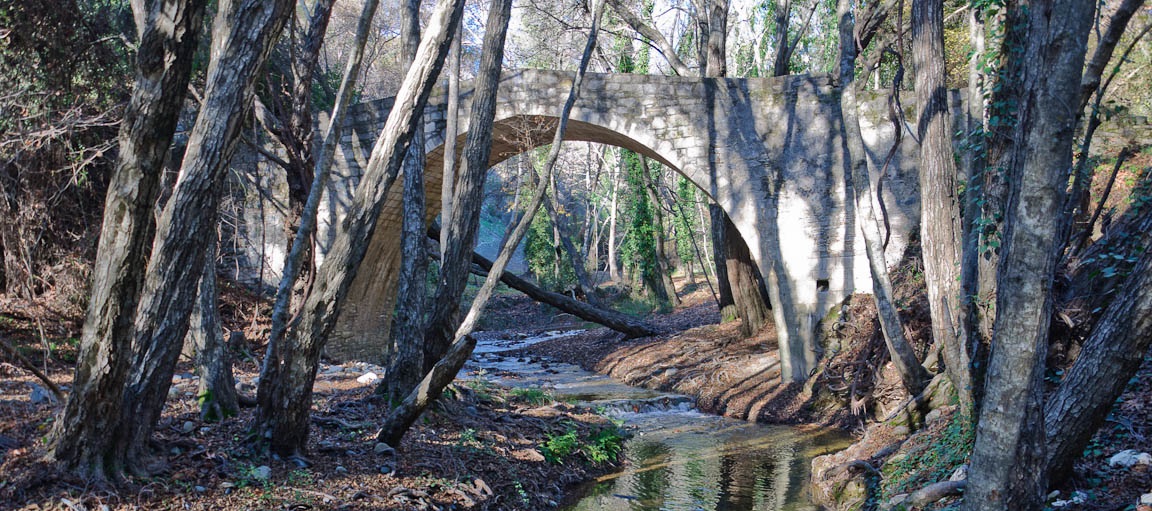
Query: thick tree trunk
x=245, y=32
x=464, y=221
x=1108, y=361
x=402, y=417
x=282, y=418
x=217, y=391
x=912, y=374
x=940, y=231
x=404, y=370
x=168, y=32
x=1009, y=455
x=718, y=224
x=748, y=291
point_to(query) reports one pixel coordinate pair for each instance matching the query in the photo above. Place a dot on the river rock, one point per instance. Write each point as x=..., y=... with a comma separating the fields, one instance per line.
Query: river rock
x=367, y=378
x=262, y=473
x=1146, y=499
x=188, y=427
x=1129, y=457
x=40, y=395
x=384, y=449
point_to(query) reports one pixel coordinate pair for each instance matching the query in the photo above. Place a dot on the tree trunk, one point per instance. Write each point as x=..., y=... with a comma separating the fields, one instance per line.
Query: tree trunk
x=451, y=132
x=613, y=244
x=1108, y=361
x=748, y=291
x=1009, y=455
x=661, y=241
x=282, y=419
x=940, y=231
x=464, y=221
x=168, y=32
x=574, y=256
x=611, y=319
x=727, y=302
x=302, y=242
x=217, y=392
x=401, y=418
x=975, y=167
x=408, y=321
x=246, y=31
x=912, y=374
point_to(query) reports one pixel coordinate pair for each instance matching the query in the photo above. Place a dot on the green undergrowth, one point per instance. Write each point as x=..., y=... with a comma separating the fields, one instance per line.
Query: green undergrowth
x=602, y=445
x=930, y=456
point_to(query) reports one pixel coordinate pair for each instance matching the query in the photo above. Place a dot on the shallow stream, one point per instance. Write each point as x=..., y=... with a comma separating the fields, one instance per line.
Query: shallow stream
x=678, y=458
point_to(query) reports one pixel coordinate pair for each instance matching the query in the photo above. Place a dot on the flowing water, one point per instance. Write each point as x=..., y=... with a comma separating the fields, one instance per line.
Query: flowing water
x=678, y=459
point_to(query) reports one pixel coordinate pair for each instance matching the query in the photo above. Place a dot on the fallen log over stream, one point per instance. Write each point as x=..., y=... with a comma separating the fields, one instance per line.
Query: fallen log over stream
x=611, y=319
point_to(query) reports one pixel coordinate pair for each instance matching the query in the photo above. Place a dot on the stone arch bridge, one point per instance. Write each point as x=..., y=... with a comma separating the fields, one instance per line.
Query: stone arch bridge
x=770, y=151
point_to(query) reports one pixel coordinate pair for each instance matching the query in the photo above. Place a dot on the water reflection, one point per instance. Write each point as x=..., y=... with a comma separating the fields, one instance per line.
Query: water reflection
x=689, y=461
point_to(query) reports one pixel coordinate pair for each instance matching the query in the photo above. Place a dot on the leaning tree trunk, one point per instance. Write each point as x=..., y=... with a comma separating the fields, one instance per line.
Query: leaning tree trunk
x=217, y=391
x=912, y=374
x=1009, y=455
x=575, y=258
x=442, y=373
x=298, y=255
x=726, y=301
x=168, y=32
x=1110, y=358
x=464, y=221
x=246, y=31
x=748, y=291
x=940, y=231
x=282, y=418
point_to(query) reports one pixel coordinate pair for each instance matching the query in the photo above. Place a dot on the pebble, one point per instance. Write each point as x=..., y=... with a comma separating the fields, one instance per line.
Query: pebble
x=387, y=469
x=200, y=489
x=189, y=427
x=961, y=474
x=341, y=470
x=175, y=451
x=262, y=473
x=384, y=449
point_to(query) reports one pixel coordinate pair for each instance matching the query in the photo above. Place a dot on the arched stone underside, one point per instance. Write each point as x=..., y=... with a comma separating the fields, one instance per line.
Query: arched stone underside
x=769, y=151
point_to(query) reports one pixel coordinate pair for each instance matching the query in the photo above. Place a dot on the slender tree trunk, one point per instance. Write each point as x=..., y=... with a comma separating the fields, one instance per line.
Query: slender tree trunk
x=613, y=236
x=975, y=166
x=1108, y=361
x=661, y=241
x=168, y=31
x=940, y=231
x=282, y=418
x=451, y=132
x=217, y=391
x=912, y=374
x=402, y=417
x=464, y=221
x=1009, y=456
x=783, y=49
x=408, y=321
x=303, y=241
x=575, y=258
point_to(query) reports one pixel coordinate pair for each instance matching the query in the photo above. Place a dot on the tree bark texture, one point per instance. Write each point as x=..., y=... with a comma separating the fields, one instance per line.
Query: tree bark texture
x=717, y=224
x=748, y=291
x=1009, y=455
x=1109, y=359
x=940, y=230
x=912, y=374
x=217, y=391
x=1094, y=70
x=243, y=35
x=975, y=167
x=404, y=370
x=285, y=405
x=168, y=32
x=464, y=221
